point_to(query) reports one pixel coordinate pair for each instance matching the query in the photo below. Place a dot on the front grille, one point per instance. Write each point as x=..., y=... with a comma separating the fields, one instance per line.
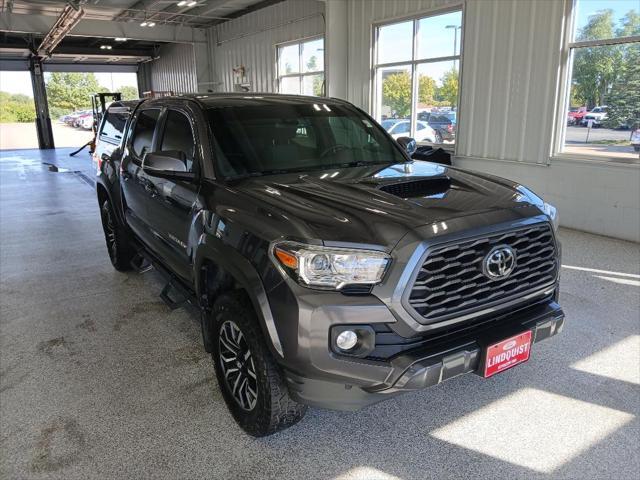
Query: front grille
x=451, y=281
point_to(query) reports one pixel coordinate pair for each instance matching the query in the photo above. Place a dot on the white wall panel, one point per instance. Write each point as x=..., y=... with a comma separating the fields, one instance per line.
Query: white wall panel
x=250, y=41
x=175, y=70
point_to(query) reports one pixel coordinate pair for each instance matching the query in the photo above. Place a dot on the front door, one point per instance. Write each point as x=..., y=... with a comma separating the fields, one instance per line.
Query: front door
x=134, y=182
x=171, y=203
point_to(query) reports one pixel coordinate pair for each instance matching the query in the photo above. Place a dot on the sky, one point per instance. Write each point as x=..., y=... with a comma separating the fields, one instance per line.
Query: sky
x=20, y=82
x=434, y=40
x=585, y=8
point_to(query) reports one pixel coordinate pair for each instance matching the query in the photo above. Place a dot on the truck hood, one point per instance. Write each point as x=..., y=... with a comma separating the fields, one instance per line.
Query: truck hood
x=379, y=204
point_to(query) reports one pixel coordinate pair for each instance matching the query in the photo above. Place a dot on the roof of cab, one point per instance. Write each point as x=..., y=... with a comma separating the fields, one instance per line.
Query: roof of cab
x=212, y=100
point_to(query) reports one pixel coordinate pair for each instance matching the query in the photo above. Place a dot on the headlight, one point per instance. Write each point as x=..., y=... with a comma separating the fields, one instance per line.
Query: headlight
x=328, y=267
x=552, y=213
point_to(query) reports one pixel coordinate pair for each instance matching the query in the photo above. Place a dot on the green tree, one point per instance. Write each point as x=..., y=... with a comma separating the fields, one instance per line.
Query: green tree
x=396, y=93
x=596, y=68
x=624, y=98
x=129, y=92
x=448, y=92
x=426, y=89
x=69, y=91
x=629, y=24
x=16, y=108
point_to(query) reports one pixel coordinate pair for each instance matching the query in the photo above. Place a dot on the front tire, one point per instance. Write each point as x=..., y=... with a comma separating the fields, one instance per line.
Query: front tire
x=120, y=251
x=251, y=382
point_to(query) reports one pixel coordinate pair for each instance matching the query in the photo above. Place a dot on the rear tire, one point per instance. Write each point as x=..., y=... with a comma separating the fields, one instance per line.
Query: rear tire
x=121, y=253
x=251, y=382
x=438, y=138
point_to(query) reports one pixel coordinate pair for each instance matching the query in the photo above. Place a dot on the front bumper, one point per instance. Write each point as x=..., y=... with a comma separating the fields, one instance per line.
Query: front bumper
x=447, y=357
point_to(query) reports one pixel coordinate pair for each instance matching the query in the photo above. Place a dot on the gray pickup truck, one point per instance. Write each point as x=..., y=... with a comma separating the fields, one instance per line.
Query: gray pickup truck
x=330, y=269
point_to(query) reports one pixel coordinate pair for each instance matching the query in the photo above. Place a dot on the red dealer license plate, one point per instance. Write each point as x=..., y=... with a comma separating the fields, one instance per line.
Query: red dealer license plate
x=507, y=353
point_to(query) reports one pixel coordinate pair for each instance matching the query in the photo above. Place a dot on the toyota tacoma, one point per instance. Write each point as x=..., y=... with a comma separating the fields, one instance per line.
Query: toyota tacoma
x=329, y=268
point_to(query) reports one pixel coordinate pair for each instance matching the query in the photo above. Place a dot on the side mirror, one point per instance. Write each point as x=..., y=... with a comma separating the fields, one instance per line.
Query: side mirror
x=409, y=144
x=170, y=165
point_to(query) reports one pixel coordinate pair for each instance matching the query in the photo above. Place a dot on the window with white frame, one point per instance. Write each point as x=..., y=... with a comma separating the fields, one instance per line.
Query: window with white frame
x=601, y=114
x=301, y=67
x=416, y=72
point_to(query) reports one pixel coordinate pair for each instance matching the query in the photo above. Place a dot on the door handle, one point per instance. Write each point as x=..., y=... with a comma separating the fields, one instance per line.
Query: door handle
x=149, y=187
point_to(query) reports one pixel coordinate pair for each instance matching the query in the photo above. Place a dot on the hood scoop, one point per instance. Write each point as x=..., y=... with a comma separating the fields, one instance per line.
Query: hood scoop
x=418, y=188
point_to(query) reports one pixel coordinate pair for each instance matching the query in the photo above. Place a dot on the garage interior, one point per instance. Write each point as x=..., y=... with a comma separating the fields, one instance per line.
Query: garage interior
x=100, y=379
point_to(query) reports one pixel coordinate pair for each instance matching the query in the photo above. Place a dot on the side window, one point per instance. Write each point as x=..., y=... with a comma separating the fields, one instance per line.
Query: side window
x=178, y=137
x=113, y=126
x=143, y=132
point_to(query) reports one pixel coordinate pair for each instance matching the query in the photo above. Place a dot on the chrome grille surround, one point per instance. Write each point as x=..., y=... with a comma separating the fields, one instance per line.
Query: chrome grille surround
x=450, y=282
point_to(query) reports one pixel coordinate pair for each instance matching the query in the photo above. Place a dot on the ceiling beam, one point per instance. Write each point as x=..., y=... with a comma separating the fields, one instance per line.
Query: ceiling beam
x=41, y=24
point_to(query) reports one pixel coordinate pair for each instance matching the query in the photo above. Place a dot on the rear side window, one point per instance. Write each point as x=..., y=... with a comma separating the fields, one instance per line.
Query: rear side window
x=178, y=137
x=143, y=132
x=113, y=126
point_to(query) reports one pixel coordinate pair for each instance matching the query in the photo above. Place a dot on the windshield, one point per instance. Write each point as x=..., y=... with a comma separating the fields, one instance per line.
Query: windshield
x=277, y=138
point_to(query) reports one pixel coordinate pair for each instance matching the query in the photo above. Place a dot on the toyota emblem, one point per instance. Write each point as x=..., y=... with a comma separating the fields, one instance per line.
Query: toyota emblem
x=499, y=262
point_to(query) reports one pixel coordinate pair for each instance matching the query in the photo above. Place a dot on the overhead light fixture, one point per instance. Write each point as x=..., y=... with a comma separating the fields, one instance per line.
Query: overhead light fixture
x=151, y=24
x=182, y=3
x=105, y=47
x=68, y=19
x=144, y=24
x=191, y=4
x=120, y=39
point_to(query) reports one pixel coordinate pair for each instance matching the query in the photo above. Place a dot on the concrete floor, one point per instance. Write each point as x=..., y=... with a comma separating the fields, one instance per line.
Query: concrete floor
x=100, y=380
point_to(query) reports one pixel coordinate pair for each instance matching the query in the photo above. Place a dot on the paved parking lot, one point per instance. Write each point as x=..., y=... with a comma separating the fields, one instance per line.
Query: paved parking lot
x=99, y=379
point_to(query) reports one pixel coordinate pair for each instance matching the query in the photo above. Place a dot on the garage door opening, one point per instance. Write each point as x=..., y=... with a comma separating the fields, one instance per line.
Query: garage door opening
x=17, y=111
x=69, y=97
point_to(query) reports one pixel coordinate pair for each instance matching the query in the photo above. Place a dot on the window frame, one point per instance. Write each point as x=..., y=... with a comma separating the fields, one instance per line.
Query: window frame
x=300, y=75
x=415, y=18
x=562, y=99
x=132, y=129
x=161, y=135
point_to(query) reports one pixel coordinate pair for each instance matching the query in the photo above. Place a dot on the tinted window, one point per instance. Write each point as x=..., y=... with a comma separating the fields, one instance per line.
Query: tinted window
x=178, y=137
x=113, y=125
x=143, y=133
x=278, y=137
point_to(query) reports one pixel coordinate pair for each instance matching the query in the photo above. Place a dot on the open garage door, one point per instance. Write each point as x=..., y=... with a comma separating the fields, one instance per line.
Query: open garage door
x=17, y=111
x=69, y=98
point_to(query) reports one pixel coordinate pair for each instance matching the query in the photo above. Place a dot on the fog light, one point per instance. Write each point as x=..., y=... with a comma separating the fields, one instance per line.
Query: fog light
x=347, y=340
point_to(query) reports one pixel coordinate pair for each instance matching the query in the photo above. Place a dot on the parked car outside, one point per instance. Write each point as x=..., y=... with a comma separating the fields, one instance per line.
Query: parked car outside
x=598, y=115
x=402, y=128
x=86, y=122
x=444, y=124
x=575, y=115
x=329, y=268
x=79, y=121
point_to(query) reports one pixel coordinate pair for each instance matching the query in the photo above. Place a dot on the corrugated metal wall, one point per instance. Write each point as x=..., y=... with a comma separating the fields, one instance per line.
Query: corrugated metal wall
x=175, y=69
x=250, y=41
x=508, y=77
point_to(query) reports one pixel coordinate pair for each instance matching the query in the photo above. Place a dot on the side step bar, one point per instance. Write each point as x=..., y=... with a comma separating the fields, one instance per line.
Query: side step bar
x=174, y=294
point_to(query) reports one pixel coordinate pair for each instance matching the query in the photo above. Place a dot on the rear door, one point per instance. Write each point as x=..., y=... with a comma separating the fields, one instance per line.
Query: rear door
x=172, y=203
x=134, y=182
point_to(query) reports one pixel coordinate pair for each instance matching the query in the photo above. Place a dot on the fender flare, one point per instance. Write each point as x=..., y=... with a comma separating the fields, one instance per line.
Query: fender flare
x=101, y=182
x=244, y=273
